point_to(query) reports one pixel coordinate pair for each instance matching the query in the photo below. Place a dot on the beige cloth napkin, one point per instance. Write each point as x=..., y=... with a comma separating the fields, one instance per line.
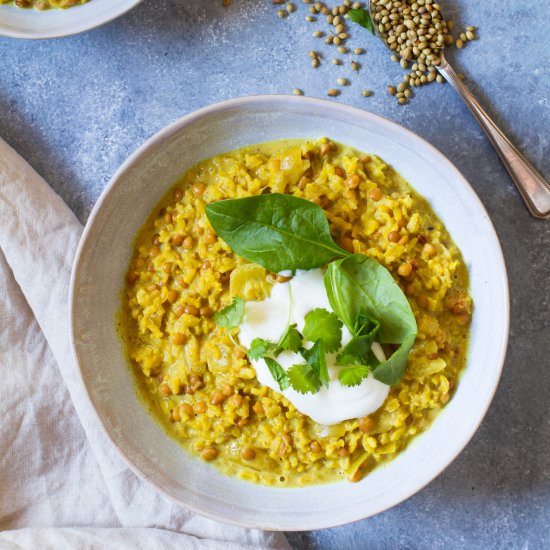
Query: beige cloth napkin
x=61, y=483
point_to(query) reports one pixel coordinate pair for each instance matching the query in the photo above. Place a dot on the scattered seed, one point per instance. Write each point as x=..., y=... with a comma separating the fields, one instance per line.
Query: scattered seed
x=459, y=44
x=313, y=55
x=391, y=90
x=470, y=35
x=366, y=93
x=315, y=63
x=358, y=51
x=355, y=66
x=336, y=61
x=401, y=87
x=394, y=58
x=310, y=18
x=290, y=8
x=297, y=91
x=333, y=92
x=440, y=79
x=282, y=13
x=470, y=28
x=336, y=40
x=317, y=34
x=402, y=101
x=328, y=39
x=343, y=49
x=343, y=81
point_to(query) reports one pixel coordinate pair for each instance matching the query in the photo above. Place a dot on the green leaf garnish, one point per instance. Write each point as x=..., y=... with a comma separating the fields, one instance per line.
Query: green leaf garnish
x=260, y=348
x=277, y=231
x=291, y=340
x=230, y=316
x=324, y=325
x=358, y=350
x=316, y=359
x=303, y=378
x=361, y=17
x=278, y=373
x=359, y=286
x=353, y=376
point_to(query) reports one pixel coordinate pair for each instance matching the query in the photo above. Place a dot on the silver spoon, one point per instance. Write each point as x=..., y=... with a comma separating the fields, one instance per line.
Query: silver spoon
x=534, y=189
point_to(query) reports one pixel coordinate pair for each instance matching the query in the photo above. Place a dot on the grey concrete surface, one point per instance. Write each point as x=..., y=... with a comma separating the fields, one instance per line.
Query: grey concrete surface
x=75, y=108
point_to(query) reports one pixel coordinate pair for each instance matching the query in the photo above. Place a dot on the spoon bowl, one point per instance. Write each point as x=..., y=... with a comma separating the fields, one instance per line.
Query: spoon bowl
x=533, y=188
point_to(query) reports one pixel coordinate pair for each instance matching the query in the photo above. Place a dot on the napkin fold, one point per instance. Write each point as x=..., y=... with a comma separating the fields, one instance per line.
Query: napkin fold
x=61, y=483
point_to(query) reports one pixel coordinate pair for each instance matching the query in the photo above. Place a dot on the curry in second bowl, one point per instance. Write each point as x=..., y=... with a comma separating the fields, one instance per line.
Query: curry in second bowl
x=295, y=313
x=44, y=4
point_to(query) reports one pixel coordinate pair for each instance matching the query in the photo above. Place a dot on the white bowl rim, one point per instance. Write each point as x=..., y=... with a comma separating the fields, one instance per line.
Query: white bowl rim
x=77, y=28
x=257, y=100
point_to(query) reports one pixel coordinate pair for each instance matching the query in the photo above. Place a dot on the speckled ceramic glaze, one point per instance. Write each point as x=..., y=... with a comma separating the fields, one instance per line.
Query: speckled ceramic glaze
x=29, y=23
x=98, y=278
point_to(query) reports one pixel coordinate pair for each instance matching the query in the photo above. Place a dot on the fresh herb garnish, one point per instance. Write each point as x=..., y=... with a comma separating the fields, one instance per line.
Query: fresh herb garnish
x=324, y=325
x=353, y=376
x=277, y=231
x=358, y=350
x=260, y=348
x=278, y=373
x=316, y=359
x=361, y=17
x=357, y=287
x=231, y=316
x=291, y=340
x=303, y=378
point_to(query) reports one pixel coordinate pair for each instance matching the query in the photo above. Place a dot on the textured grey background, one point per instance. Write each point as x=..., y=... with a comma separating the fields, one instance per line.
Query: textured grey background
x=75, y=108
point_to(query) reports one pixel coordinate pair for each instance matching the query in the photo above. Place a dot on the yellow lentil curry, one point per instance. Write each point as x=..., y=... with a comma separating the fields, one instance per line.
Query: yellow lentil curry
x=202, y=387
x=44, y=4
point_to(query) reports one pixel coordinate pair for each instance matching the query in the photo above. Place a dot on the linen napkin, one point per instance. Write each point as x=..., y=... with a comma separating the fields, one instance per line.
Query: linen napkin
x=61, y=483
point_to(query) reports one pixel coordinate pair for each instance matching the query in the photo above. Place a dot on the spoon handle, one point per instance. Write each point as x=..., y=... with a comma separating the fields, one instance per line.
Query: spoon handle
x=531, y=185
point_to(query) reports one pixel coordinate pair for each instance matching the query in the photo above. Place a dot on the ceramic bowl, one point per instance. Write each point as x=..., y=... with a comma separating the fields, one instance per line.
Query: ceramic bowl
x=29, y=23
x=99, y=274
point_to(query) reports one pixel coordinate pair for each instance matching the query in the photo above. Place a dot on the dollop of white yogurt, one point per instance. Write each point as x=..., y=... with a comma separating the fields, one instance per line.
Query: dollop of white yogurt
x=289, y=303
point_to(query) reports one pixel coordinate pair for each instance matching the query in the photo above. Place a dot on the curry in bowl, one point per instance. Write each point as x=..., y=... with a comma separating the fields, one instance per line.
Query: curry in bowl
x=308, y=349
x=44, y=4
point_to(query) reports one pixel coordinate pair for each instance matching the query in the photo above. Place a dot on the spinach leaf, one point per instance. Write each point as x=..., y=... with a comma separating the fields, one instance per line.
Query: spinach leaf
x=361, y=17
x=304, y=379
x=320, y=323
x=316, y=359
x=359, y=286
x=277, y=372
x=277, y=231
x=230, y=316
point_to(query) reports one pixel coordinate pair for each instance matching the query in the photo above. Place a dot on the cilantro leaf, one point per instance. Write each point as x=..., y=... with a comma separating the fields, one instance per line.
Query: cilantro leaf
x=316, y=359
x=358, y=350
x=291, y=340
x=361, y=17
x=324, y=325
x=278, y=373
x=303, y=378
x=260, y=348
x=230, y=316
x=353, y=376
